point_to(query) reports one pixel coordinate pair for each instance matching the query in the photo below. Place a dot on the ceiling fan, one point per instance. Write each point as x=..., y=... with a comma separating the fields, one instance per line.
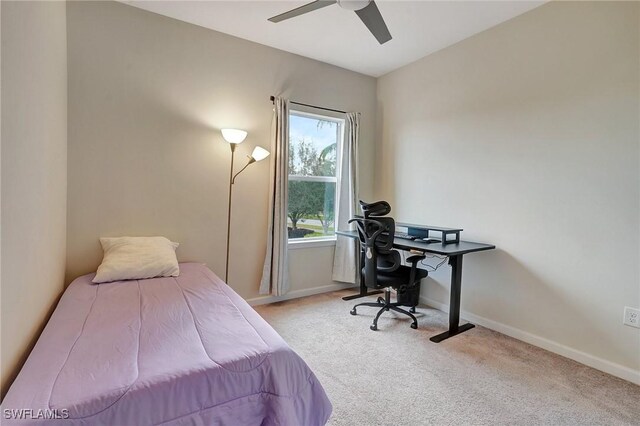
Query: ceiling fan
x=366, y=10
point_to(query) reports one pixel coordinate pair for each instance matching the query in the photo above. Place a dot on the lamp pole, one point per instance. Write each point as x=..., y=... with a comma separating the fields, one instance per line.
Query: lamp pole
x=232, y=180
x=226, y=268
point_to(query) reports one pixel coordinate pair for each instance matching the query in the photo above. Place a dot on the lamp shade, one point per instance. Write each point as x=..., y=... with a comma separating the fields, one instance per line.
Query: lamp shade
x=259, y=153
x=233, y=135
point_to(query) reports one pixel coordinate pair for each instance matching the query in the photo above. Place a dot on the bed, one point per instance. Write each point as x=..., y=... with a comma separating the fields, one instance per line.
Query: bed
x=171, y=351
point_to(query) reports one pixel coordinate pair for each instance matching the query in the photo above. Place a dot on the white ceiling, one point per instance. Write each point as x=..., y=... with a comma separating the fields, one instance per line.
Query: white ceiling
x=337, y=36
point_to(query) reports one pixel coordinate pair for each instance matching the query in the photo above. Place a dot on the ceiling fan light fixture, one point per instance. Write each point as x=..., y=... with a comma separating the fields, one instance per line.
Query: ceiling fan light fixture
x=353, y=5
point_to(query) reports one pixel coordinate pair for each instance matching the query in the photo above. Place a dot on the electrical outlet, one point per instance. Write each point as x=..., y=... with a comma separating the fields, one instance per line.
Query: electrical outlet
x=631, y=317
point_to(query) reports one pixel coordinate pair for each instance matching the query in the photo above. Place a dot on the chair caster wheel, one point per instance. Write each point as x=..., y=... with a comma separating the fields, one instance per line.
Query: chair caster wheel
x=374, y=327
x=414, y=325
x=380, y=300
x=353, y=312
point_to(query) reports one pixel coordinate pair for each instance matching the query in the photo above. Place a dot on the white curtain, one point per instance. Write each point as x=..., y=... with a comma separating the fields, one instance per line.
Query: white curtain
x=275, y=272
x=346, y=260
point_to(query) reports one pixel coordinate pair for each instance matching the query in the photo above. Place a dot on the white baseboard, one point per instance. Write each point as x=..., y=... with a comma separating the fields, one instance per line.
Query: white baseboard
x=612, y=368
x=263, y=300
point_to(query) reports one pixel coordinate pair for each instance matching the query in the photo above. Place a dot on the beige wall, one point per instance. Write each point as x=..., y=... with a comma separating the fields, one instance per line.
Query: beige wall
x=34, y=172
x=527, y=136
x=147, y=95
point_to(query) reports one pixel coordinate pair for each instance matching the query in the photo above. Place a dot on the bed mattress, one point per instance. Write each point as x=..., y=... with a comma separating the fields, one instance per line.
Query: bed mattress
x=183, y=350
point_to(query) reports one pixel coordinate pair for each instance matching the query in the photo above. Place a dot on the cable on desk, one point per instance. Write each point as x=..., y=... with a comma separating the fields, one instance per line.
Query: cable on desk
x=433, y=269
x=431, y=256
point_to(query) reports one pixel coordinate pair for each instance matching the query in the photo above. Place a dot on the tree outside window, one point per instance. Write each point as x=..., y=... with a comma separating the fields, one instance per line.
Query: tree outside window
x=313, y=160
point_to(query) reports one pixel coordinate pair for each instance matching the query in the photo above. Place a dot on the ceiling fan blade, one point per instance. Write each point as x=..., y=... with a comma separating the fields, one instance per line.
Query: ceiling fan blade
x=309, y=7
x=372, y=18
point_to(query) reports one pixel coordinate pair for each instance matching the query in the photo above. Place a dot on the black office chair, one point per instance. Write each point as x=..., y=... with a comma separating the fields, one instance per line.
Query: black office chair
x=382, y=264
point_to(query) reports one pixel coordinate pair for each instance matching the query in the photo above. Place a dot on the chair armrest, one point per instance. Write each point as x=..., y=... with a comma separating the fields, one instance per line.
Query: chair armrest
x=413, y=259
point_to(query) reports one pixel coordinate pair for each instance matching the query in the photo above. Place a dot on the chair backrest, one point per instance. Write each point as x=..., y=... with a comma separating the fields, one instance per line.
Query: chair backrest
x=376, y=240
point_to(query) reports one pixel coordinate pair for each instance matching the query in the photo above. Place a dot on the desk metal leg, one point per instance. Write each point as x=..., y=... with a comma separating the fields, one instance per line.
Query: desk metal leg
x=454, y=302
x=364, y=291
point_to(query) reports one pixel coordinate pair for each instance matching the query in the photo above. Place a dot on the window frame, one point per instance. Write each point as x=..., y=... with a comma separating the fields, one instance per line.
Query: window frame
x=315, y=113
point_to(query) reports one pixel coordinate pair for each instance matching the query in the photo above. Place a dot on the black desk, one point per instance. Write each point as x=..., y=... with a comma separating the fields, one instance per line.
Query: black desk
x=454, y=251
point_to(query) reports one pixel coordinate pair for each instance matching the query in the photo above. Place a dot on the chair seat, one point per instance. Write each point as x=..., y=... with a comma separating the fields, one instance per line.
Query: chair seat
x=398, y=277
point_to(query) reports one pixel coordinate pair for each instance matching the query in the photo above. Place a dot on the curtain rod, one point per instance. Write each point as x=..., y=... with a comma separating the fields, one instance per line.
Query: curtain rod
x=272, y=98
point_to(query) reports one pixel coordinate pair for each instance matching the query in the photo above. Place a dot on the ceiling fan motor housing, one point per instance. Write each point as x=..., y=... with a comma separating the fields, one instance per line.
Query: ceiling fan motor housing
x=353, y=5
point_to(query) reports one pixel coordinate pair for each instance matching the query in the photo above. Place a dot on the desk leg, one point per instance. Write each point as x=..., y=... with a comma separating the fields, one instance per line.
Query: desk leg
x=454, y=302
x=364, y=291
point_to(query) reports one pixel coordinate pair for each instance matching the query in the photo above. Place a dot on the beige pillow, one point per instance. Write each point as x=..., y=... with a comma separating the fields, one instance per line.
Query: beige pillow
x=129, y=258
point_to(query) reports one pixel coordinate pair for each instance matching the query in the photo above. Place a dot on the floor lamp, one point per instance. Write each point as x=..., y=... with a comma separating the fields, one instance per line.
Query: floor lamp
x=235, y=137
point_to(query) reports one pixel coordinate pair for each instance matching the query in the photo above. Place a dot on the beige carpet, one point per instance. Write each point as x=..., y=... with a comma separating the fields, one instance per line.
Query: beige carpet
x=396, y=376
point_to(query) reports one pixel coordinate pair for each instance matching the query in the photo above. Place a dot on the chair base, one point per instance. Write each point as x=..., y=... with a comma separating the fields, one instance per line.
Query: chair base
x=386, y=305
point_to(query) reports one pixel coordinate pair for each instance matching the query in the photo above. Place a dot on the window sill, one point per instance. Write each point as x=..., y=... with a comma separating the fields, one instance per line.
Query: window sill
x=311, y=243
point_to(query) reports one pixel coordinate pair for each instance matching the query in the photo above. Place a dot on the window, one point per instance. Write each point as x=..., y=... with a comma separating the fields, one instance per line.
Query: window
x=315, y=142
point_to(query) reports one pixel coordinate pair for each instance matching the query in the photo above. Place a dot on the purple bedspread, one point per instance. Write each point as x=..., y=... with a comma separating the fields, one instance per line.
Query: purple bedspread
x=184, y=350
